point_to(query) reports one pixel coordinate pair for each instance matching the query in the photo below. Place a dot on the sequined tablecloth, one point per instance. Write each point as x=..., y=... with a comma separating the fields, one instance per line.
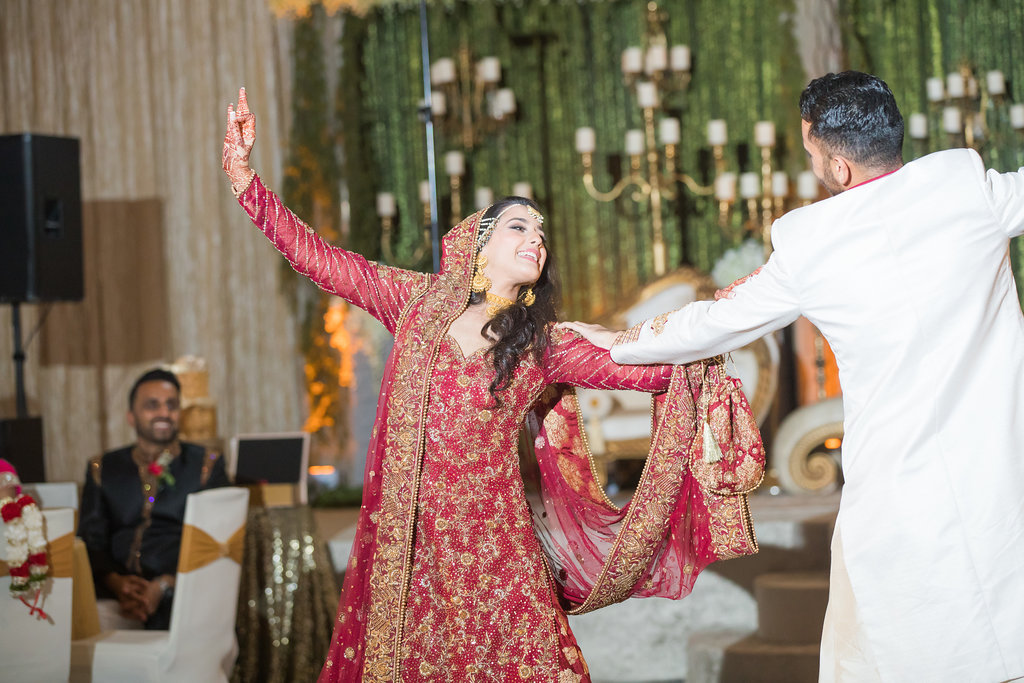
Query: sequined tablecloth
x=287, y=598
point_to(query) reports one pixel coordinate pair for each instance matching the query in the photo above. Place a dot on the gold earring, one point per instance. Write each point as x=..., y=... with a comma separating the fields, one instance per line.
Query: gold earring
x=528, y=297
x=481, y=283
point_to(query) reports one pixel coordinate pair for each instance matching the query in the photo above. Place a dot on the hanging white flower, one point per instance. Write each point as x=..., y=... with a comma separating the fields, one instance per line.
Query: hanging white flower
x=738, y=262
x=25, y=549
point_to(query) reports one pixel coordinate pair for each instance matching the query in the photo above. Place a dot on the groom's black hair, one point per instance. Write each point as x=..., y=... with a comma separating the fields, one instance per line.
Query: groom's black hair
x=854, y=114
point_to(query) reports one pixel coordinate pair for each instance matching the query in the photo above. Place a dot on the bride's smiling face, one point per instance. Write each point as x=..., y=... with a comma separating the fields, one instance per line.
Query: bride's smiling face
x=517, y=250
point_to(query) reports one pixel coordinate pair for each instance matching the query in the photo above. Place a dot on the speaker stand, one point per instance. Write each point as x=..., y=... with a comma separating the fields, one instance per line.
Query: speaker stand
x=21, y=405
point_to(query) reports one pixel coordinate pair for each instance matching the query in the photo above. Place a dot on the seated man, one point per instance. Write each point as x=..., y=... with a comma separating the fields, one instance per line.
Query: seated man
x=133, y=503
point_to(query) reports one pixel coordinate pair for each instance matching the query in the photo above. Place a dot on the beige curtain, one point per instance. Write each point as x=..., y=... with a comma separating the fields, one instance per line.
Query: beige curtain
x=144, y=85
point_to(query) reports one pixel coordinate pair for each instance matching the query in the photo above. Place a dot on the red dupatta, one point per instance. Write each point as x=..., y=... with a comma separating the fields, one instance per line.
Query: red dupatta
x=672, y=527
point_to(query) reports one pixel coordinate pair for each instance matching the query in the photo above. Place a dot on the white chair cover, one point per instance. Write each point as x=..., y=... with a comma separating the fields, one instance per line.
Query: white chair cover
x=33, y=649
x=59, y=494
x=200, y=645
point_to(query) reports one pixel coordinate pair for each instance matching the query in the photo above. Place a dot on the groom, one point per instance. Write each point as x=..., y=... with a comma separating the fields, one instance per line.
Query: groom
x=906, y=272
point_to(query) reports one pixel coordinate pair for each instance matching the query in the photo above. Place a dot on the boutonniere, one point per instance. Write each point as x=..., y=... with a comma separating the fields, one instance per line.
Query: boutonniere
x=161, y=469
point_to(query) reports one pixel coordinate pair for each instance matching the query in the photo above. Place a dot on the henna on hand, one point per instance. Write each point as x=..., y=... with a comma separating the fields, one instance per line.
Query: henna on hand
x=238, y=143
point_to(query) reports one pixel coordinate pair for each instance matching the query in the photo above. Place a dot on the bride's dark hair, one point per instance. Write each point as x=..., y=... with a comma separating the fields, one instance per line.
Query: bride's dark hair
x=519, y=328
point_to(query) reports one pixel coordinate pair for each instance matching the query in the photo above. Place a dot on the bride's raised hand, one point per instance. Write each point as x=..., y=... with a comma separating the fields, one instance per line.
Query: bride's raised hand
x=238, y=142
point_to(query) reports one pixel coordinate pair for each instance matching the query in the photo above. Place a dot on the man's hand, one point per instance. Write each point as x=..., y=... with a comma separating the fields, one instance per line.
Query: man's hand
x=131, y=594
x=600, y=337
x=153, y=595
x=238, y=142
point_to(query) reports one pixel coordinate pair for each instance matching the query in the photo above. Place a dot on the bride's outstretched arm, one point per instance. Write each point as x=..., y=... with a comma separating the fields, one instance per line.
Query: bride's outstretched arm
x=382, y=291
x=574, y=360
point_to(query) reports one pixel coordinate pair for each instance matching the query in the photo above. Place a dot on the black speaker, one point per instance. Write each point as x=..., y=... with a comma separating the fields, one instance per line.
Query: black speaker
x=40, y=219
x=21, y=444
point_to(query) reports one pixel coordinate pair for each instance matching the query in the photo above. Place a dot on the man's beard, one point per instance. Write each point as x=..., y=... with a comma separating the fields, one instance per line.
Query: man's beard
x=828, y=180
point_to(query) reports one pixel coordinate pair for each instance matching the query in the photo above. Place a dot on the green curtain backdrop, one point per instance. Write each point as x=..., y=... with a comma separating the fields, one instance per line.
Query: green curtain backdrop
x=311, y=190
x=562, y=60
x=908, y=41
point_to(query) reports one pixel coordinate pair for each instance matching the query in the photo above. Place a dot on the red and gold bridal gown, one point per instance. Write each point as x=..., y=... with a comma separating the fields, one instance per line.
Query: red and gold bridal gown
x=453, y=576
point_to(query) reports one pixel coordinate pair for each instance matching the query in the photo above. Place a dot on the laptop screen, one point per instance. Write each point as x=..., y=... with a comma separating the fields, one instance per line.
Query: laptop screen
x=269, y=459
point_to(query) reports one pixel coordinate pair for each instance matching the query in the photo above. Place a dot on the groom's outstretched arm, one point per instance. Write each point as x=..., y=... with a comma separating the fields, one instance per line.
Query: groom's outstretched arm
x=746, y=310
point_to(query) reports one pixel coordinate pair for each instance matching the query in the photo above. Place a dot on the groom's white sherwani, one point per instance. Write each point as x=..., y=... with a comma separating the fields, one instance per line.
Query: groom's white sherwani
x=908, y=277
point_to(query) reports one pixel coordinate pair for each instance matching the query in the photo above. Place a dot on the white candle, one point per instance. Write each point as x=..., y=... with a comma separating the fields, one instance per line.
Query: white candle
x=454, y=163
x=995, y=82
x=632, y=60
x=443, y=71
x=523, y=189
x=424, y=192
x=679, y=57
x=438, y=103
x=750, y=185
x=1017, y=116
x=951, y=122
x=656, y=59
x=484, y=197
x=764, y=134
x=807, y=185
x=385, y=204
x=494, y=107
x=918, y=126
x=505, y=102
x=634, y=142
x=955, y=84
x=488, y=70
x=586, y=140
x=669, y=132
x=717, y=132
x=936, y=90
x=780, y=184
x=972, y=87
x=646, y=95
x=725, y=186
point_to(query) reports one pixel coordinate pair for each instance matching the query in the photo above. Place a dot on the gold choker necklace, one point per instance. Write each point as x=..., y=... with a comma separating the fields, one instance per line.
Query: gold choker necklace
x=497, y=303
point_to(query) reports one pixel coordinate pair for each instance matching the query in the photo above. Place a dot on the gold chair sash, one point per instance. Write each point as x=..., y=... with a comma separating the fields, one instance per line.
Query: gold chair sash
x=199, y=549
x=59, y=555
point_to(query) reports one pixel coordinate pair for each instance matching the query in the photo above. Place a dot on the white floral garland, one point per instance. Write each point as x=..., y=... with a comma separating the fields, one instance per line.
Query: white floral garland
x=26, y=544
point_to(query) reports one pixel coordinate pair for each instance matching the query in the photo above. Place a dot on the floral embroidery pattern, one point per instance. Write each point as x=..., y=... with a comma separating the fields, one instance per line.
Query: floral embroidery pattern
x=659, y=322
x=631, y=335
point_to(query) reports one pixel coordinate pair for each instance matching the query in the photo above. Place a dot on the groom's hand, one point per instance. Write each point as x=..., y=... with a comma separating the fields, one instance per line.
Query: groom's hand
x=595, y=334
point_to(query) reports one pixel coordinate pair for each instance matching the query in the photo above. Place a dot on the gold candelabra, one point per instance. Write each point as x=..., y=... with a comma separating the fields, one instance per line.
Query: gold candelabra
x=654, y=168
x=467, y=104
x=766, y=192
x=963, y=108
x=649, y=71
x=466, y=101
